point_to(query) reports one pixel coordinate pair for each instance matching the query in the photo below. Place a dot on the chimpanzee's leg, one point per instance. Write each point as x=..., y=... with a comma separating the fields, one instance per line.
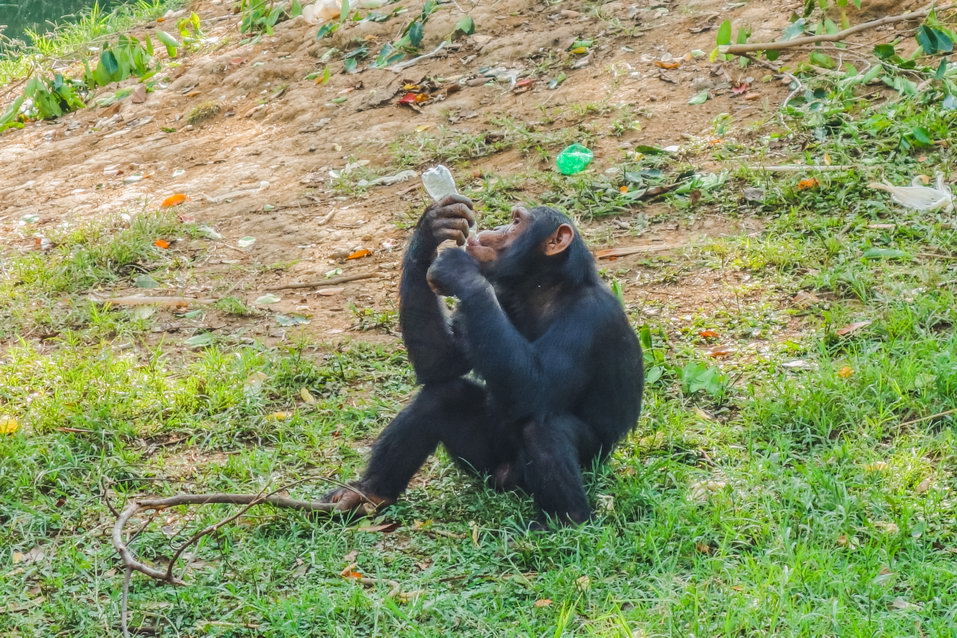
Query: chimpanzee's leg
x=451, y=412
x=554, y=450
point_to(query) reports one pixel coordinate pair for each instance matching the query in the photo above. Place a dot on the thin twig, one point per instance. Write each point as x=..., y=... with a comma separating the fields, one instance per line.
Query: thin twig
x=125, y=603
x=135, y=506
x=800, y=168
x=327, y=282
x=75, y=430
x=104, y=493
x=774, y=69
x=797, y=84
x=394, y=585
x=145, y=300
x=401, y=66
x=212, y=528
x=738, y=49
x=928, y=417
x=12, y=87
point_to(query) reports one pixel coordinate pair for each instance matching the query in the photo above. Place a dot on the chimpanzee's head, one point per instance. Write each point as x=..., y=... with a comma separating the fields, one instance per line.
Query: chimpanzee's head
x=538, y=241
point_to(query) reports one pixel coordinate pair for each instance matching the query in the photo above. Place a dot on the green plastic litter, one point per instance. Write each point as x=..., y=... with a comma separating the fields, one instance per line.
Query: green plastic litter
x=574, y=159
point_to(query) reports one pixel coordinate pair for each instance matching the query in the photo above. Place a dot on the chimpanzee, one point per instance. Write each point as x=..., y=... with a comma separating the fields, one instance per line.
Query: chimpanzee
x=556, y=372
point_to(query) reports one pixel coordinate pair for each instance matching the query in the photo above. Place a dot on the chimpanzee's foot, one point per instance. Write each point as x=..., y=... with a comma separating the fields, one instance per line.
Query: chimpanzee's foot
x=505, y=478
x=356, y=499
x=551, y=523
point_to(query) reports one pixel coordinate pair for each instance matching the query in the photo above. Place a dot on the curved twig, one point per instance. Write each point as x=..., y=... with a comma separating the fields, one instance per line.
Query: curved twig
x=212, y=528
x=750, y=47
x=136, y=506
x=394, y=586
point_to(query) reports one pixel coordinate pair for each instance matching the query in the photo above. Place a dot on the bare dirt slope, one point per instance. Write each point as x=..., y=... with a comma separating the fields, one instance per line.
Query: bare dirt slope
x=259, y=165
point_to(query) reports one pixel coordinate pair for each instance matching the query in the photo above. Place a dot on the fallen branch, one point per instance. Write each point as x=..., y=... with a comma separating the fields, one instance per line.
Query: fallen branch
x=800, y=168
x=144, y=504
x=401, y=66
x=750, y=47
x=249, y=500
x=327, y=282
x=143, y=300
x=209, y=530
x=610, y=253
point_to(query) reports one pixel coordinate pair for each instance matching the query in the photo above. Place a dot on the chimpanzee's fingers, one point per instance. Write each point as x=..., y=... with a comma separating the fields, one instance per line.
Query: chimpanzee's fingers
x=455, y=211
x=457, y=236
x=454, y=223
x=454, y=228
x=448, y=200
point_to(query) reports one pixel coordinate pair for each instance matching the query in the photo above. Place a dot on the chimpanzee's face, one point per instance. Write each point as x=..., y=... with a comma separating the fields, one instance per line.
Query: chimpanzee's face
x=489, y=245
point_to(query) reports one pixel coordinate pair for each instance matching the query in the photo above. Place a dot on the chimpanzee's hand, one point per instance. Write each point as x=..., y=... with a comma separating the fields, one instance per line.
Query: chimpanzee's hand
x=454, y=273
x=449, y=218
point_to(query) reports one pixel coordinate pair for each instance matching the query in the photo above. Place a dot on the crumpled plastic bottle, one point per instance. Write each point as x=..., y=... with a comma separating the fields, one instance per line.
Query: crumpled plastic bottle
x=920, y=197
x=438, y=182
x=574, y=159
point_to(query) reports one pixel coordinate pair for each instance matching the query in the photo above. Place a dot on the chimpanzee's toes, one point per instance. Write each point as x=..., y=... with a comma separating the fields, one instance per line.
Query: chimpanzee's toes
x=355, y=500
x=505, y=478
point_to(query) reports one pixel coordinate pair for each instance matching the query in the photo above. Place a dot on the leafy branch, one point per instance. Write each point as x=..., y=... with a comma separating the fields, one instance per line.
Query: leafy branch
x=937, y=39
x=907, y=75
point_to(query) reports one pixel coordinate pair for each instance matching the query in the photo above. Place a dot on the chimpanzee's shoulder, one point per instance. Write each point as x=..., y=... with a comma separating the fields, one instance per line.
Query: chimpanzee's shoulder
x=595, y=308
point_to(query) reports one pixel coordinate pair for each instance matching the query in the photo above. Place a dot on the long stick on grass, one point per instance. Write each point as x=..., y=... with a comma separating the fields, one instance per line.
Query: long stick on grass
x=249, y=500
x=750, y=47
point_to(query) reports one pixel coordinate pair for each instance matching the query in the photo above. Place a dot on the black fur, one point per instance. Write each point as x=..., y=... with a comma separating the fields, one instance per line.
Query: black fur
x=556, y=370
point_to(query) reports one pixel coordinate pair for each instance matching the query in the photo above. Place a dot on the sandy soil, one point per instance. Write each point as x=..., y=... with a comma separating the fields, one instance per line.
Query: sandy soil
x=260, y=166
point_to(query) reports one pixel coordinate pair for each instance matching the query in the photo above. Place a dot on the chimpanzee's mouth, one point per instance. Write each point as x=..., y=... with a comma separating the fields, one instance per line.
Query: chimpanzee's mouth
x=478, y=251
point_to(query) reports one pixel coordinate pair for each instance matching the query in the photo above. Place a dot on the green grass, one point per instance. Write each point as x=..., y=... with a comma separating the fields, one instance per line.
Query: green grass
x=70, y=40
x=807, y=513
x=772, y=500
x=36, y=288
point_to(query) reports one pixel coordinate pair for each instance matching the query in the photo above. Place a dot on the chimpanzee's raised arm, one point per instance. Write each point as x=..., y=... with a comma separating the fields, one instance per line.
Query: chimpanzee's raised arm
x=423, y=317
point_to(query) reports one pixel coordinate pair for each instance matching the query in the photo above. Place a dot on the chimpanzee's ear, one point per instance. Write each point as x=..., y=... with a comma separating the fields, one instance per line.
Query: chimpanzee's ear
x=559, y=240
